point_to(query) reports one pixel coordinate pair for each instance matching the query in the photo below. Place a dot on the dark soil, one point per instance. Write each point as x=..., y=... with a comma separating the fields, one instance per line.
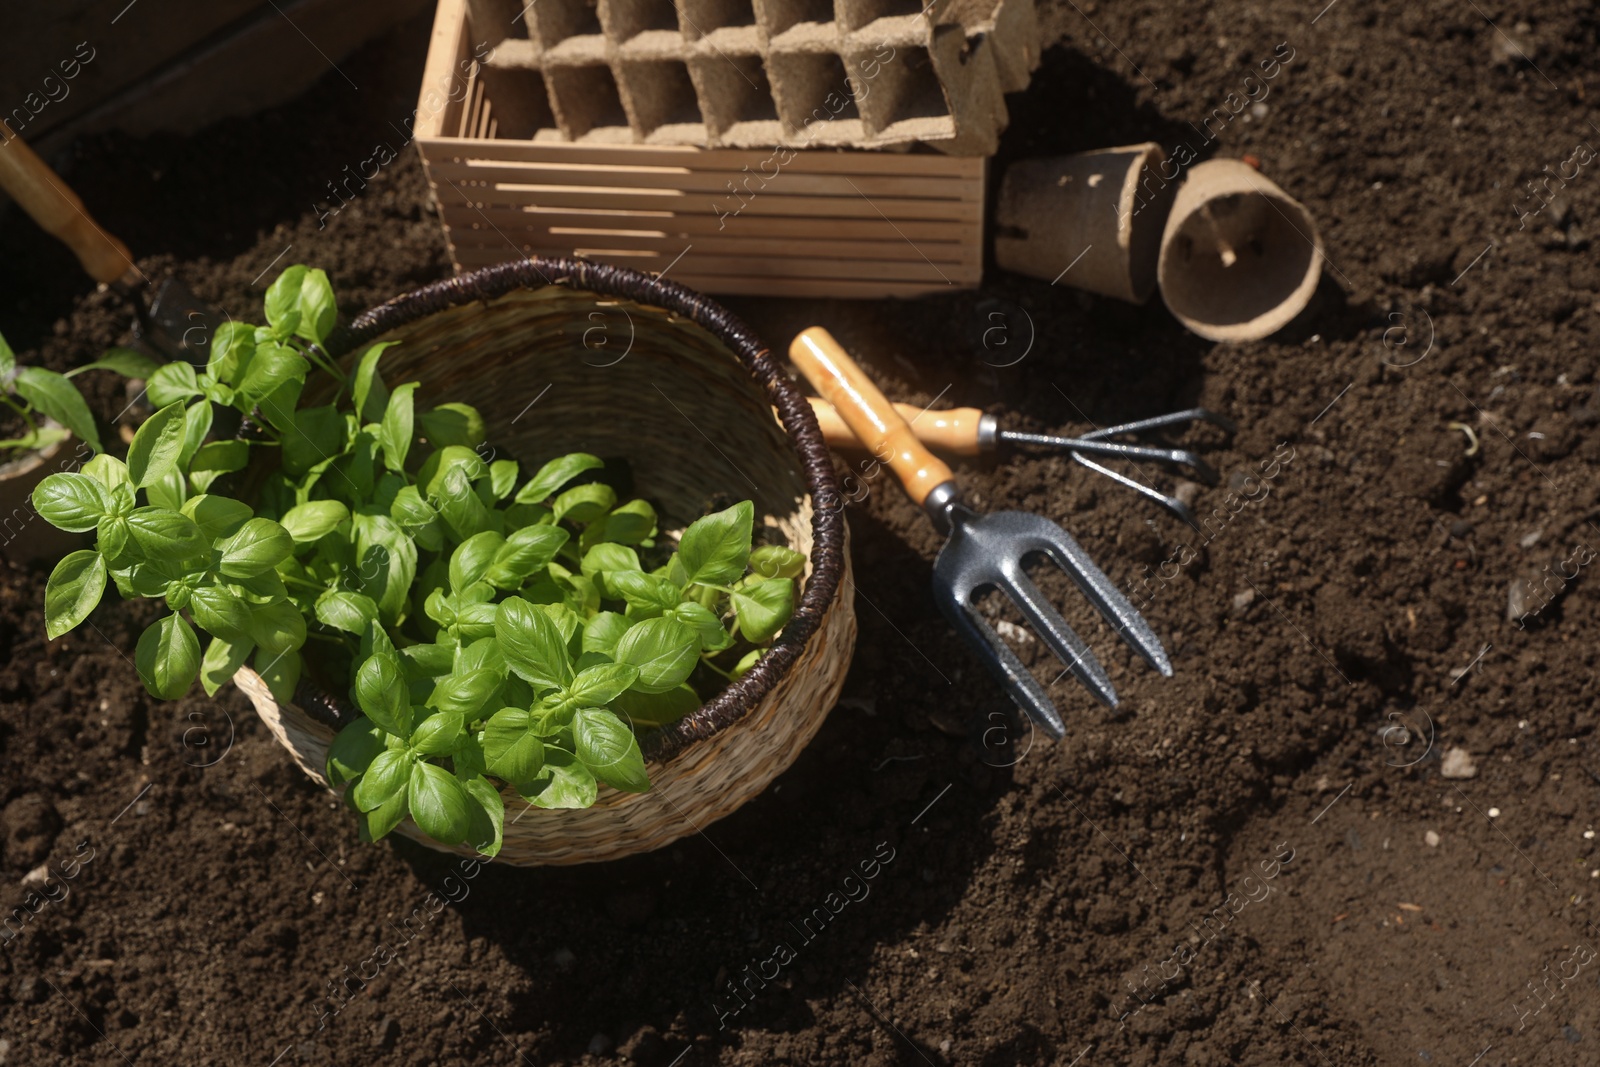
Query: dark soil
x=1083, y=902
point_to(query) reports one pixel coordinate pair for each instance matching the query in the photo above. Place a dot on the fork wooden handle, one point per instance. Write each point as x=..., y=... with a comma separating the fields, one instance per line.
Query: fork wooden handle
x=867, y=412
x=37, y=189
x=952, y=430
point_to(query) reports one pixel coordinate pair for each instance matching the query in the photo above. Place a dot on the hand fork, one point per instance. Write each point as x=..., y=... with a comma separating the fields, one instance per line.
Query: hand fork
x=981, y=551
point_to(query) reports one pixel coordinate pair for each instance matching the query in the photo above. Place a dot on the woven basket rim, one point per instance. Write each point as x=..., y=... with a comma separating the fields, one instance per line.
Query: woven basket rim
x=799, y=423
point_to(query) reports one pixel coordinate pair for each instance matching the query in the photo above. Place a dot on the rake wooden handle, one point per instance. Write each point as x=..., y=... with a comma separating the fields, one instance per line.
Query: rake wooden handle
x=29, y=181
x=867, y=412
x=953, y=430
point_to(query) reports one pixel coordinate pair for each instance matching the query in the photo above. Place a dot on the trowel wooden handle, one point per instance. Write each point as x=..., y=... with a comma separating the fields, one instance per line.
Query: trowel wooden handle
x=868, y=413
x=954, y=430
x=58, y=211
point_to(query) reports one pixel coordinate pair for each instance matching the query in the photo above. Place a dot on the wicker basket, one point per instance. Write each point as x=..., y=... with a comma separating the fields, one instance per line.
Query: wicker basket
x=539, y=346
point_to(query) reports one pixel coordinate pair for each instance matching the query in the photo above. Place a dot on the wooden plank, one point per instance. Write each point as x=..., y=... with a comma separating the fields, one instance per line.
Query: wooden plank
x=845, y=161
x=742, y=284
x=914, y=269
x=792, y=181
x=679, y=202
x=446, y=48
x=668, y=224
x=941, y=252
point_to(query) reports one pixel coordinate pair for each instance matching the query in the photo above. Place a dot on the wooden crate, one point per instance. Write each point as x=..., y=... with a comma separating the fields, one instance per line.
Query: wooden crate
x=805, y=222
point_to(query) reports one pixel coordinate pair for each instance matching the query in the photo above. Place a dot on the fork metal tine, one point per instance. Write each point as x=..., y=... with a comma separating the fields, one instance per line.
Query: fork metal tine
x=1067, y=645
x=1045, y=536
x=1020, y=684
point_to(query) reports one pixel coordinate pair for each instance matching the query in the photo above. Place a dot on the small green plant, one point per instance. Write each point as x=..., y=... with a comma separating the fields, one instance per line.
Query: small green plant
x=490, y=629
x=31, y=392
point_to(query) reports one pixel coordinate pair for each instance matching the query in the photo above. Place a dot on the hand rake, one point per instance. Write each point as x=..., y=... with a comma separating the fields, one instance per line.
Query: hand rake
x=981, y=551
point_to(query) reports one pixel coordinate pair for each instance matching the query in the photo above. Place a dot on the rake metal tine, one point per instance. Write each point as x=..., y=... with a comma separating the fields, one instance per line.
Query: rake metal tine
x=1020, y=684
x=1159, y=421
x=1106, y=597
x=1067, y=645
x=1081, y=446
x=1171, y=503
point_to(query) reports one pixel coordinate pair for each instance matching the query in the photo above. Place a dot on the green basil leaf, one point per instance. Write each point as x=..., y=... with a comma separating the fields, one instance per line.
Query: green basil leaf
x=604, y=558
x=465, y=694
x=314, y=520
x=608, y=748
x=428, y=661
x=602, y=632
x=714, y=550
x=554, y=475
x=453, y=424
x=502, y=477
x=388, y=562
x=217, y=516
x=217, y=458
x=436, y=735
x=460, y=507
x=439, y=804
x=585, y=503
x=441, y=462
x=665, y=651
x=278, y=628
x=524, y=553
x=763, y=607
x=317, y=434
x=318, y=311
x=282, y=302
x=170, y=491
x=222, y=661
x=156, y=446
x=562, y=782
x=713, y=637
x=512, y=751
x=381, y=693
x=486, y=814
x=629, y=524
x=171, y=384
x=73, y=591
x=645, y=710
x=8, y=359
x=377, y=824
x=353, y=751
x=232, y=345
x=371, y=396
x=58, y=398
x=368, y=389
x=257, y=547
x=196, y=425
x=74, y=502
x=271, y=366
x=398, y=427
x=163, y=534
x=112, y=538
x=280, y=671
x=220, y=613
x=647, y=595
x=777, y=561
x=278, y=406
x=168, y=658
x=598, y=686
x=389, y=772
x=125, y=361
x=533, y=644
x=350, y=612
x=110, y=472
x=472, y=559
